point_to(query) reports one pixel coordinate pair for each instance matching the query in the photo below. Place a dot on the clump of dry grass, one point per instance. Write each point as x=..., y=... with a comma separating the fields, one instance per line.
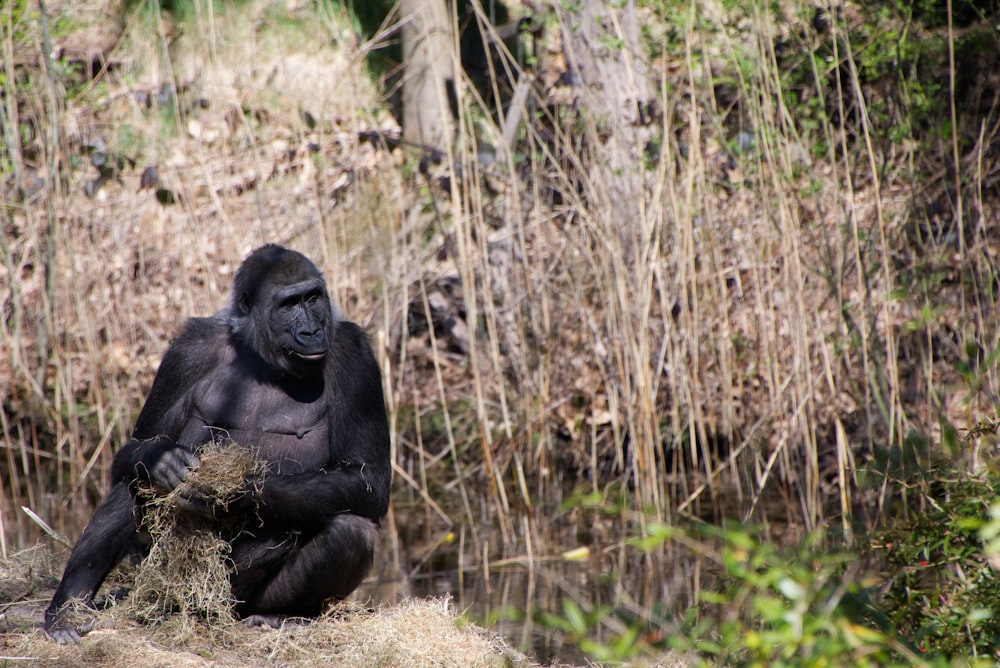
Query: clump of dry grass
x=415, y=633
x=222, y=475
x=186, y=572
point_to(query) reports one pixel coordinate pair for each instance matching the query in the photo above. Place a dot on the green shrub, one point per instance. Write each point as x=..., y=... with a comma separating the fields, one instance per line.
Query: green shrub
x=940, y=590
x=812, y=606
x=801, y=607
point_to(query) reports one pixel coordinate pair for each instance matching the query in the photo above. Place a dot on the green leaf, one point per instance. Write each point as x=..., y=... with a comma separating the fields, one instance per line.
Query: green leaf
x=574, y=615
x=791, y=589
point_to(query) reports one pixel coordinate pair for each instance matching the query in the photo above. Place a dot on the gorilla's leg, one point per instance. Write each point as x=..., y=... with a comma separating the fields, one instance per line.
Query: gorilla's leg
x=110, y=536
x=296, y=574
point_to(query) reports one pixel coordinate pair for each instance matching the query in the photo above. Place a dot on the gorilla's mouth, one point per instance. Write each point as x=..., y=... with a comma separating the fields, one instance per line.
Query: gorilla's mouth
x=308, y=357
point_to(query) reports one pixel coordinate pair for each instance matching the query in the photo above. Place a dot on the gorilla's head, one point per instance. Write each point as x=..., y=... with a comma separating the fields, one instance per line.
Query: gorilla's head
x=281, y=310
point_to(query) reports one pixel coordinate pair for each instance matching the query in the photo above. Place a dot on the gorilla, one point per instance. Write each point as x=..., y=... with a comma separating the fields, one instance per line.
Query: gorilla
x=279, y=372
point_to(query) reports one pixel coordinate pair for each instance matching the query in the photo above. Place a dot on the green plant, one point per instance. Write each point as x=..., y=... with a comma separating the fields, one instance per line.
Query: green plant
x=579, y=622
x=989, y=533
x=940, y=590
x=805, y=606
x=768, y=606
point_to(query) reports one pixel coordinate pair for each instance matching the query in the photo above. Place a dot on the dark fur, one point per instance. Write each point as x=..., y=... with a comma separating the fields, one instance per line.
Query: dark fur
x=279, y=372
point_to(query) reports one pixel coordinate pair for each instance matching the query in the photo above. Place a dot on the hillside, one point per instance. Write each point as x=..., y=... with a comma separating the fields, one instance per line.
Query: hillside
x=768, y=297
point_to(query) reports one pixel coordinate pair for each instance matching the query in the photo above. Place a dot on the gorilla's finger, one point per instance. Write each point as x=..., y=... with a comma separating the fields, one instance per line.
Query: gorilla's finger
x=64, y=634
x=177, y=471
x=189, y=459
x=191, y=502
x=173, y=468
x=179, y=462
x=164, y=473
x=175, y=477
x=264, y=621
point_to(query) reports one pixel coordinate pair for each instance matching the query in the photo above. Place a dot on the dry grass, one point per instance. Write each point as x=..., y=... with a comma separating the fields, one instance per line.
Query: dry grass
x=186, y=572
x=414, y=633
x=768, y=321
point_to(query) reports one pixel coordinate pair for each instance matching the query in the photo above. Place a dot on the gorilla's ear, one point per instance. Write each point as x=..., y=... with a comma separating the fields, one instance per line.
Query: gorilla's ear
x=245, y=303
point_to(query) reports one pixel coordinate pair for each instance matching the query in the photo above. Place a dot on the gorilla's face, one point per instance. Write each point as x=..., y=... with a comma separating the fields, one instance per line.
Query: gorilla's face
x=282, y=312
x=297, y=320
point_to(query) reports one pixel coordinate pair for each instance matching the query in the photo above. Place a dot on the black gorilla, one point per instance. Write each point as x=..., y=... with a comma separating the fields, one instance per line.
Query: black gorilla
x=277, y=371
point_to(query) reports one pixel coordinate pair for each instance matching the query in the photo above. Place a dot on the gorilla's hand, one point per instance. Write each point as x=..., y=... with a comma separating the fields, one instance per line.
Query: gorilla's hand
x=173, y=468
x=66, y=625
x=234, y=506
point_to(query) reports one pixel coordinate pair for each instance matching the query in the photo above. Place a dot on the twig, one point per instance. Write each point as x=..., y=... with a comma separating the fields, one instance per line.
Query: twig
x=52, y=533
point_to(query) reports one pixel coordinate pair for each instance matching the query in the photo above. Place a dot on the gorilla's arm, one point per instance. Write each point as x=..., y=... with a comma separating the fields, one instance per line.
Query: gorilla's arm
x=153, y=454
x=359, y=473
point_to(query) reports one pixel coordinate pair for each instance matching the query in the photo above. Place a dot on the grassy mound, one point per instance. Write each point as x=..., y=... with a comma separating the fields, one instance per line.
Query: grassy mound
x=414, y=633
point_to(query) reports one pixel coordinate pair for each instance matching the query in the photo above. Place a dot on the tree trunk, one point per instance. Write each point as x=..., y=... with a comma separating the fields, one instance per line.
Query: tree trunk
x=428, y=59
x=609, y=68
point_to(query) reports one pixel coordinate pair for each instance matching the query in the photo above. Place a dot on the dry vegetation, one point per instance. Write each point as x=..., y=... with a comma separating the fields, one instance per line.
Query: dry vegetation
x=185, y=571
x=802, y=308
x=420, y=633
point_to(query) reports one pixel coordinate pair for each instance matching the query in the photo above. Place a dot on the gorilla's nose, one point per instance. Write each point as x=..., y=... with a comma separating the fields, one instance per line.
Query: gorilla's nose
x=312, y=341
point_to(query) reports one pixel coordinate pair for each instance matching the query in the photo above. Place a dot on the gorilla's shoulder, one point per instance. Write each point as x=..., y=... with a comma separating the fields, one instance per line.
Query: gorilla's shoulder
x=353, y=361
x=203, y=331
x=203, y=342
x=351, y=332
x=352, y=341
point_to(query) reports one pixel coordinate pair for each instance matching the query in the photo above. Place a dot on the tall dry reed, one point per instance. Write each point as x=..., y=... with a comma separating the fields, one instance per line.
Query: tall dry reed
x=558, y=374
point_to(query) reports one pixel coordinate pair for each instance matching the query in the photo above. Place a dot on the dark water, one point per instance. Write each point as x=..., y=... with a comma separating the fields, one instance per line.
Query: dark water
x=502, y=599
x=511, y=591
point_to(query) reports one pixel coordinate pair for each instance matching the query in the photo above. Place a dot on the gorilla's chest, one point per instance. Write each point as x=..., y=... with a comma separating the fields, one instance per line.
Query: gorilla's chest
x=285, y=425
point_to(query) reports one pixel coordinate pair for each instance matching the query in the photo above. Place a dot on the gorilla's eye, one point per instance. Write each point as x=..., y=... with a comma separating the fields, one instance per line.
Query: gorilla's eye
x=306, y=299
